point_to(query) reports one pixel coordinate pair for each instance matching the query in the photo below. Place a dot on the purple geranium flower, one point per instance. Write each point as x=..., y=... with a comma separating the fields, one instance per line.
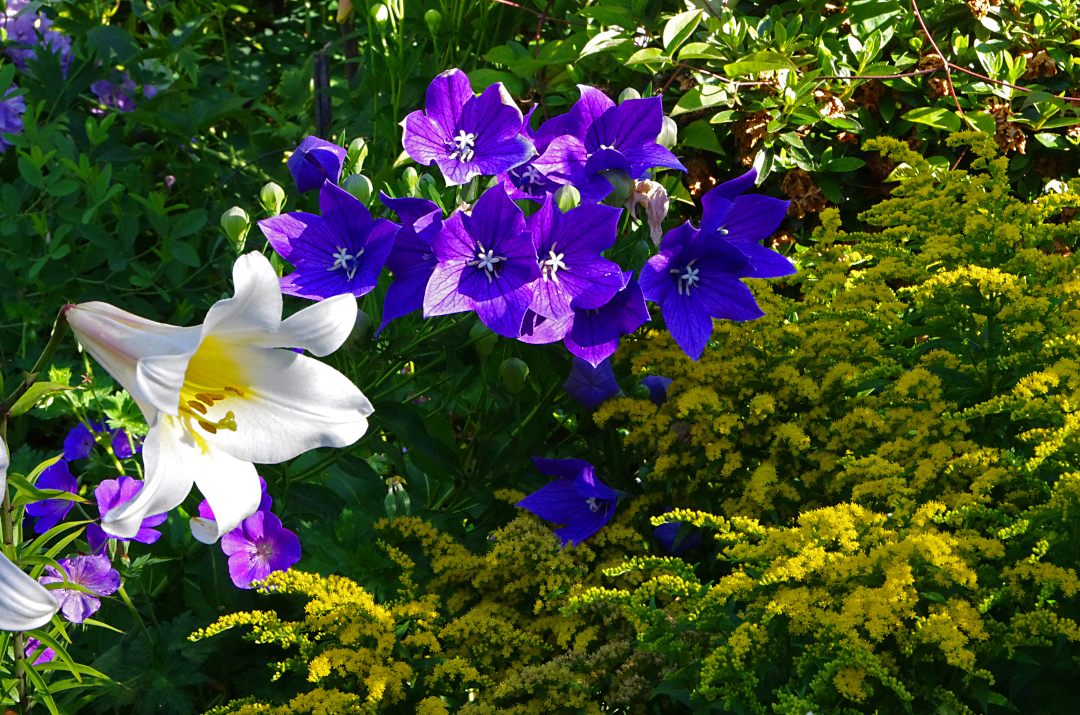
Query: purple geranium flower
x=32, y=28
x=577, y=498
x=50, y=512
x=657, y=387
x=342, y=251
x=695, y=278
x=120, y=96
x=602, y=135
x=110, y=494
x=36, y=650
x=12, y=110
x=591, y=386
x=315, y=161
x=487, y=263
x=80, y=441
x=466, y=135
x=573, y=273
x=744, y=221
x=94, y=573
x=412, y=261
x=258, y=547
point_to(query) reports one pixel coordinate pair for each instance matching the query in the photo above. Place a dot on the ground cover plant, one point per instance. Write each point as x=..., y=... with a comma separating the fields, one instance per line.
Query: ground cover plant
x=539, y=357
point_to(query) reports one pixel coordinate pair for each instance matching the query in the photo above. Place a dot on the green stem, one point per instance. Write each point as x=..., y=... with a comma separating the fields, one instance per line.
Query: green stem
x=59, y=330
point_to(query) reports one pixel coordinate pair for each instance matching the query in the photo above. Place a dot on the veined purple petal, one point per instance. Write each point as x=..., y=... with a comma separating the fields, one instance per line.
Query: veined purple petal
x=346, y=214
x=715, y=212
x=666, y=534
x=413, y=212
x=325, y=164
x=496, y=157
x=538, y=330
x=592, y=104
x=51, y=512
x=281, y=231
x=557, y=501
x=730, y=190
x=650, y=156
x=766, y=262
x=78, y=443
x=753, y=218
x=630, y=124
x=564, y=158
x=595, y=333
x=423, y=140
x=561, y=467
x=591, y=386
x=447, y=96
x=94, y=573
x=657, y=386
x=258, y=547
x=506, y=313
x=604, y=159
x=582, y=529
x=588, y=486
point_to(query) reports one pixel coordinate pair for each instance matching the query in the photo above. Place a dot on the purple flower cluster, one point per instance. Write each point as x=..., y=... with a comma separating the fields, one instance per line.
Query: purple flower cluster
x=28, y=30
x=120, y=95
x=12, y=109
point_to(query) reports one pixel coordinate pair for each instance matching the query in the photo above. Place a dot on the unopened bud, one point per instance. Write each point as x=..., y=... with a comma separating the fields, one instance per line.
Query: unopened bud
x=567, y=197
x=355, y=156
x=272, y=198
x=514, y=372
x=642, y=252
x=484, y=339
x=359, y=186
x=235, y=222
x=629, y=93
x=380, y=14
x=412, y=179
x=669, y=133
x=425, y=181
x=344, y=11
x=433, y=18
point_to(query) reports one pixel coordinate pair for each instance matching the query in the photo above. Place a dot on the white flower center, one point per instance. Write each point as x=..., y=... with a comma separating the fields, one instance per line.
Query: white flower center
x=549, y=267
x=350, y=264
x=464, y=143
x=607, y=146
x=595, y=504
x=486, y=261
x=688, y=276
x=531, y=175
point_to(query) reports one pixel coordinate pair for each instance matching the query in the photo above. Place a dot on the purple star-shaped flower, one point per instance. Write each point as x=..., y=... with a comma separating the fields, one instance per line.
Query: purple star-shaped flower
x=577, y=498
x=591, y=386
x=487, y=263
x=50, y=512
x=573, y=273
x=667, y=535
x=466, y=135
x=258, y=547
x=39, y=652
x=412, y=261
x=526, y=181
x=12, y=110
x=657, y=387
x=80, y=441
x=744, y=221
x=602, y=135
x=94, y=573
x=314, y=162
x=112, y=493
x=342, y=251
x=695, y=278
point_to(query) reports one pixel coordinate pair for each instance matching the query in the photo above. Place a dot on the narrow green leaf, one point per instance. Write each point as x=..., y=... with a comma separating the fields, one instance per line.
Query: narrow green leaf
x=679, y=28
x=51, y=642
x=36, y=392
x=764, y=61
x=41, y=690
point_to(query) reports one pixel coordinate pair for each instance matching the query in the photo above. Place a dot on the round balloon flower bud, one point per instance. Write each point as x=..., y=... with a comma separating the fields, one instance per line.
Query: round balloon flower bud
x=484, y=339
x=357, y=153
x=380, y=14
x=411, y=178
x=567, y=197
x=359, y=186
x=642, y=252
x=236, y=223
x=514, y=372
x=669, y=134
x=272, y=198
x=433, y=18
x=629, y=93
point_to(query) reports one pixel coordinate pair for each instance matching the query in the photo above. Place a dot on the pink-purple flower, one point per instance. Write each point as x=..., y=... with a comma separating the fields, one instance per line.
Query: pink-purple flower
x=110, y=494
x=577, y=499
x=32, y=29
x=51, y=512
x=92, y=572
x=258, y=547
x=38, y=652
x=315, y=161
x=120, y=95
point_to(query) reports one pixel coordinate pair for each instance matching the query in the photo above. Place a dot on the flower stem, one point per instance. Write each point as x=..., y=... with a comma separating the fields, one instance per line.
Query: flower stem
x=59, y=330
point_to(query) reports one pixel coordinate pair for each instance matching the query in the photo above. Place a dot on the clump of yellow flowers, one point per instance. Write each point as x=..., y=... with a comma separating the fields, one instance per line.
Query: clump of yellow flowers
x=885, y=467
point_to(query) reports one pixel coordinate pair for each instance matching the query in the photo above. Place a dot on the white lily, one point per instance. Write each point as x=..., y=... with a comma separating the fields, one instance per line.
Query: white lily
x=24, y=603
x=223, y=394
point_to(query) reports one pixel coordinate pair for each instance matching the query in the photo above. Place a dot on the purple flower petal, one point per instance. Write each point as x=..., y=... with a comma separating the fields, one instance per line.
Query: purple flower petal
x=657, y=387
x=595, y=333
x=577, y=499
x=538, y=330
x=561, y=467
x=94, y=573
x=78, y=443
x=314, y=162
x=110, y=494
x=50, y=512
x=666, y=534
x=258, y=547
x=591, y=386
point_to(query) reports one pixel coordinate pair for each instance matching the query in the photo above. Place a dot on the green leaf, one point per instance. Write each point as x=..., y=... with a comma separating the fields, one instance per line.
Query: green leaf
x=30, y=172
x=1060, y=122
x=844, y=163
x=937, y=118
x=483, y=78
x=699, y=51
x=37, y=391
x=700, y=97
x=606, y=40
x=188, y=223
x=764, y=61
x=983, y=121
x=41, y=690
x=51, y=642
x=700, y=135
x=680, y=27
x=179, y=35
x=184, y=253
x=648, y=55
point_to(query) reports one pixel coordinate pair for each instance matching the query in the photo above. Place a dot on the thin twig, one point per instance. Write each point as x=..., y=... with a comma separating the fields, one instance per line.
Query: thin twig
x=671, y=79
x=948, y=72
x=538, y=14
x=540, y=26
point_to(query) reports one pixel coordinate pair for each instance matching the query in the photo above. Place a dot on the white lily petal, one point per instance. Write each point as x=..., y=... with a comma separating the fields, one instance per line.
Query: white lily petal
x=24, y=603
x=290, y=404
x=320, y=328
x=254, y=309
x=232, y=487
x=204, y=530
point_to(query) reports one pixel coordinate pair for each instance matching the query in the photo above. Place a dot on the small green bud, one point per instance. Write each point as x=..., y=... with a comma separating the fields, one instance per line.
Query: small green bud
x=380, y=14
x=272, y=198
x=425, y=181
x=514, y=372
x=236, y=223
x=567, y=197
x=357, y=153
x=629, y=93
x=484, y=339
x=669, y=133
x=359, y=186
x=623, y=185
x=433, y=18
x=412, y=179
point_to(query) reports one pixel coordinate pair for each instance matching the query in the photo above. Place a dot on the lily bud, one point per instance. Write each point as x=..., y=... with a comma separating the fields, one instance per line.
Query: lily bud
x=236, y=223
x=567, y=197
x=433, y=18
x=484, y=339
x=380, y=14
x=514, y=372
x=357, y=153
x=359, y=186
x=669, y=134
x=272, y=198
x=629, y=93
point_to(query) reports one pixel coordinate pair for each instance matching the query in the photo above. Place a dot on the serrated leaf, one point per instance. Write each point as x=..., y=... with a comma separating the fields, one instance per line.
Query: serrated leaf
x=938, y=118
x=680, y=27
x=37, y=391
x=764, y=61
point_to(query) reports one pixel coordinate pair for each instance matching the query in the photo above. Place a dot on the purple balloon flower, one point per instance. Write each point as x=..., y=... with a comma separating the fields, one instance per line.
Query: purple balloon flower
x=314, y=162
x=94, y=573
x=342, y=251
x=667, y=535
x=695, y=278
x=487, y=263
x=32, y=28
x=12, y=110
x=744, y=221
x=258, y=547
x=80, y=441
x=412, y=261
x=38, y=652
x=50, y=512
x=112, y=493
x=120, y=96
x=466, y=135
x=525, y=181
x=577, y=498
x=657, y=387
x=601, y=135
x=591, y=386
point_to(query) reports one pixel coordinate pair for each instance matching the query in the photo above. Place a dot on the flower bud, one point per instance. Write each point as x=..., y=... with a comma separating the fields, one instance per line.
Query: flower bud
x=642, y=252
x=669, y=133
x=411, y=179
x=380, y=14
x=567, y=197
x=629, y=93
x=236, y=223
x=484, y=339
x=359, y=186
x=433, y=18
x=272, y=198
x=344, y=11
x=357, y=153
x=514, y=373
